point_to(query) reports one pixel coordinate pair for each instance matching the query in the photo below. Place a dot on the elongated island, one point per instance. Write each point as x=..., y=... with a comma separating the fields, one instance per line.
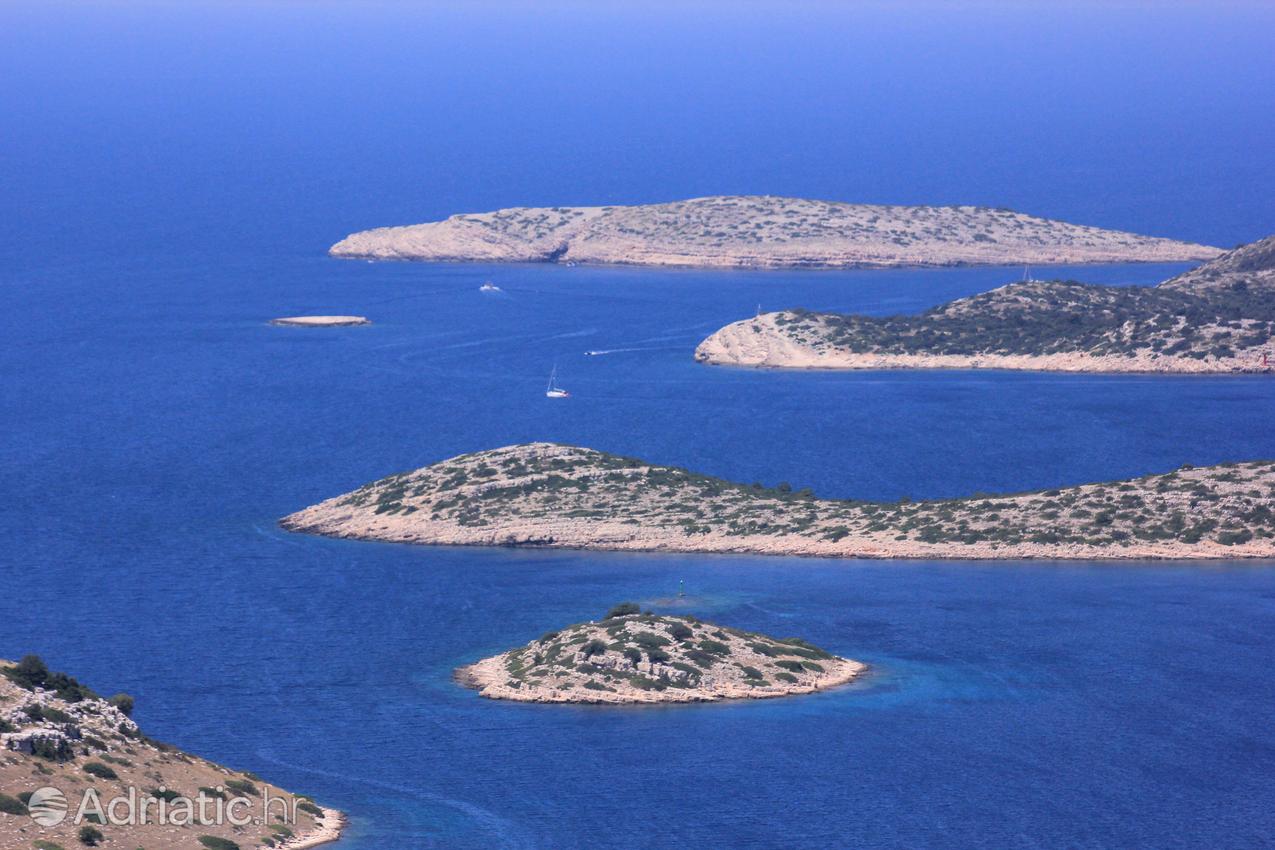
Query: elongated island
x=1219, y=317
x=551, y=495
x=320, y=321
x=56, y=733
x=634, y=657
x=762, y=231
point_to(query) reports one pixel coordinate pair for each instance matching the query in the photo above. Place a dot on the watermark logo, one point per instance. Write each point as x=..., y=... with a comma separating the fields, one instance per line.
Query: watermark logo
x=47, y=806
x=211, y=807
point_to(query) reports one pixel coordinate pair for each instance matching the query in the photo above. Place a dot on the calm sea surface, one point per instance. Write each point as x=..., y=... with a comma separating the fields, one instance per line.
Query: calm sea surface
x=168, y=183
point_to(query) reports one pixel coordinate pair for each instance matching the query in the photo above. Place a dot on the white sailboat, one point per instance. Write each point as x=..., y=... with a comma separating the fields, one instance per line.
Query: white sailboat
x=553, y=390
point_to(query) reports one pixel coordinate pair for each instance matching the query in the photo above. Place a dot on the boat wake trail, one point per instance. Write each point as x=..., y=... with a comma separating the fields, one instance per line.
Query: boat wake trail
x=600, y=352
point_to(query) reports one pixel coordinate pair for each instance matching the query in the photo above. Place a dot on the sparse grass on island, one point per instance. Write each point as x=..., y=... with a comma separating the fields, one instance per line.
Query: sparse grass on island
x=55, y=731
x=1218, y=318
x=633, y=657
x=762, y=231
x=544, y=494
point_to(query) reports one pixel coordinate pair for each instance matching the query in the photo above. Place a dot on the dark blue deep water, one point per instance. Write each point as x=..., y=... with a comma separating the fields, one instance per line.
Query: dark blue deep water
x=169, y=182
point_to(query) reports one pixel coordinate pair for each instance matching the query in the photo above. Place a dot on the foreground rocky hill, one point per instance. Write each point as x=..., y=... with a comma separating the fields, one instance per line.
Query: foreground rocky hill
x=631, y=657
x=762, y=232
x=1219, y=317
x=57, y=733
x=544, y=494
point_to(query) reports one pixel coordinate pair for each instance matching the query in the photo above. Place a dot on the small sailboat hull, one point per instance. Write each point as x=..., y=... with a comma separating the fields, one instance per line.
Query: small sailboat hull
x=553, y=390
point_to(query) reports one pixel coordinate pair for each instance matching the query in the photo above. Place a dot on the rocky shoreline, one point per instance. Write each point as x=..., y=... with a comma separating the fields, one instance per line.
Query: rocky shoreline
x=629, y=657
x=1217, y=318
x=55, y=732
x=760, y=342
x=549, y=495
x=320, y=321
x=762, y=232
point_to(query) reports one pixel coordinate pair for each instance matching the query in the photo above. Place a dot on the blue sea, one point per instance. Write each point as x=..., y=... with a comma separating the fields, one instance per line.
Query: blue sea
x=170, y=178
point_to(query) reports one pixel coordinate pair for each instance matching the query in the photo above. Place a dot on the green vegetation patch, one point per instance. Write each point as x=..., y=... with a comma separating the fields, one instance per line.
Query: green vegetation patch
x=213, y=842
x=101, y=771
x=1037, y=318
x=31, y=673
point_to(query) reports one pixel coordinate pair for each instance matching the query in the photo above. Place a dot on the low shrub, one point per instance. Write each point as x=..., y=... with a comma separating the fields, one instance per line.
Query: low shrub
x=702, y=658
x=243, y=787
x=47, y=712
x=12, y=805
x=650, y=640
x=213, y=842
x=124, y=703
x=101, y=771
x=31, y=673
x=680, y=631
x=51, y=750
x=624, y=609
x=91, y=836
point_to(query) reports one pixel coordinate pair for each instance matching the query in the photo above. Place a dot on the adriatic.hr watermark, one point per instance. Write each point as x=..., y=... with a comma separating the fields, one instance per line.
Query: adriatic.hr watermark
x=48, y=806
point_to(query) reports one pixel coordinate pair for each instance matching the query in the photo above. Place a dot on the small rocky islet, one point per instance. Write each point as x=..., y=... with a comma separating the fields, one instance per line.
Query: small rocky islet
x=631, y=656
x=320, y=321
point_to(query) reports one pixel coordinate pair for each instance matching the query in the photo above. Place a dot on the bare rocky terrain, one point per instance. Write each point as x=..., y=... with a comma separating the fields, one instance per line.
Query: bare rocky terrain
x=1250, y=266
x=320, y=321
x=56, y=733
x=762, y=232
x=634, y=657
x=1219, y=317
x=550, y=495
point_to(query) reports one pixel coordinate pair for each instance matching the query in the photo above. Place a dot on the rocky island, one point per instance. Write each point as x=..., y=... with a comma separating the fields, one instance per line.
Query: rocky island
x=320, y=321
x=762, y=232
x=1219, y=317
x=57, y=733
x=634, y=657
x=550, y=495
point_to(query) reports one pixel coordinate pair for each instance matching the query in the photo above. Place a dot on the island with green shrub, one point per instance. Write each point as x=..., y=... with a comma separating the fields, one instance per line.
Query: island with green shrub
x=1219, y=317
x=762, y=231
x=57, y=733
x=633, y=657
x=552, y=495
